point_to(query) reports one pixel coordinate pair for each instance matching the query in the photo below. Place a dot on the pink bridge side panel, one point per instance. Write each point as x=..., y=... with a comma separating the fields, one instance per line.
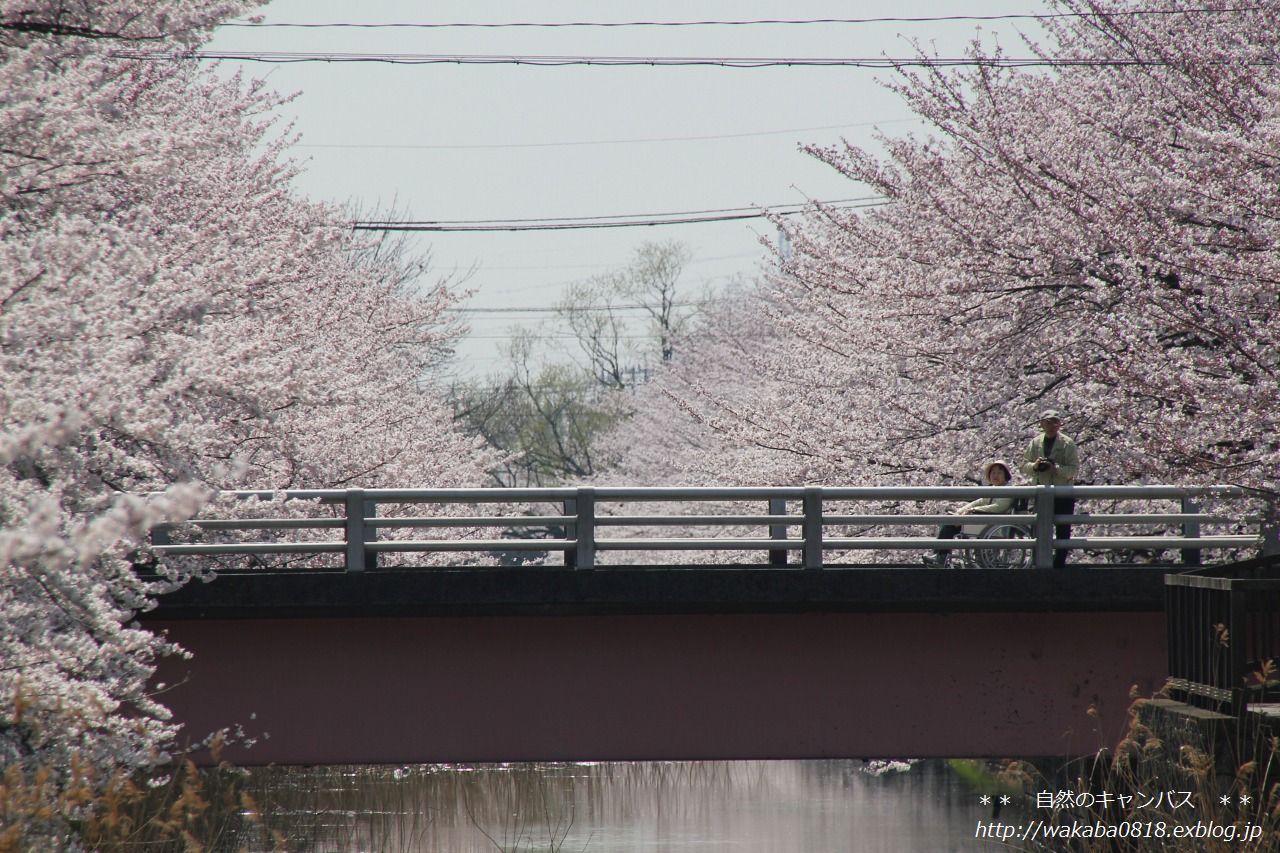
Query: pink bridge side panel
x=857, y=685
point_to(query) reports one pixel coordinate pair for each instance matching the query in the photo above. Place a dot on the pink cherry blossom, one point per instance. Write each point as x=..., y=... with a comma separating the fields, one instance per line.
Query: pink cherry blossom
x=174, y=319
x=1097, y=239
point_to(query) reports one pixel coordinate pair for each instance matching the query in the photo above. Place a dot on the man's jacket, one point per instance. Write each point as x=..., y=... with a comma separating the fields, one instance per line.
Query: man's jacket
x=1063, y=453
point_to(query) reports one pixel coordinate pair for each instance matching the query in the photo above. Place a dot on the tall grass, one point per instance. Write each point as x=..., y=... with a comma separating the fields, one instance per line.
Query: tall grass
x=1167, y=772
x=185, y=809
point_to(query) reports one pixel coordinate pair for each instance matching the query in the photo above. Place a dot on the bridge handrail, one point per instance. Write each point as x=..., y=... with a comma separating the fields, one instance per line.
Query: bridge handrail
x=658, y=493
x=580, y=519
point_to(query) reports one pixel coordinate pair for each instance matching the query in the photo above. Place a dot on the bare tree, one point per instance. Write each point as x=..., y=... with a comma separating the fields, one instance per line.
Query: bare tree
x=651, y=281
x=596, y=312
x=593, y=310
x=544, y=418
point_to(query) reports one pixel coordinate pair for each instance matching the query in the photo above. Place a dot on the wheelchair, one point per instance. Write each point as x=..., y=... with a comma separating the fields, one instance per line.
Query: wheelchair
x=992, y=558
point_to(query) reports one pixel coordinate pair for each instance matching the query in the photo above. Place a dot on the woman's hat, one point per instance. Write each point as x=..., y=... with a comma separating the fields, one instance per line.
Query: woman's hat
x=986, y=472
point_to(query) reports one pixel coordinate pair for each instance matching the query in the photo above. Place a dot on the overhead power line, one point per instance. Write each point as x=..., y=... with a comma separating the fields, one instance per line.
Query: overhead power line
x=872, y=62
x=630, y=220
x=599, y=266
x=756, y=208
x=586, y=308
x=564, y=144
x=556, y=336
x=1014, y=16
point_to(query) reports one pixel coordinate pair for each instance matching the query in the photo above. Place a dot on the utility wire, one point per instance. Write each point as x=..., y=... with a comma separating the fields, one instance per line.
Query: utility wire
x=559, y=336
x=614, y=141
x=1025, y=16
x=797, y=205
x=542, y=310
x=883, y=62
x=576, y=223
x=604, y=265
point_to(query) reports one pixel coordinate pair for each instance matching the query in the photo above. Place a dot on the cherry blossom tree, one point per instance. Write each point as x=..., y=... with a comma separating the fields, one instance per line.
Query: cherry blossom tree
x=1098, y=238
x=682, y=428
x=679, y=428
x=173, y=319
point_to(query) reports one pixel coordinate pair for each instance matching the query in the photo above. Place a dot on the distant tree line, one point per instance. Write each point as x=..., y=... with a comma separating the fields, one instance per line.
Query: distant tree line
x=543, y=417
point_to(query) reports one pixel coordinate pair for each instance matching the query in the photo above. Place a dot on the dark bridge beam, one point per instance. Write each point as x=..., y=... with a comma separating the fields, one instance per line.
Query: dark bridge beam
x=665, y=590
x=632, y=664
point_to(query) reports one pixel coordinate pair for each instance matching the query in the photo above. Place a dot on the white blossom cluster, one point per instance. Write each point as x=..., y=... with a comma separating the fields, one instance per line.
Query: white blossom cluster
x=1103, y=240
x=173, y=320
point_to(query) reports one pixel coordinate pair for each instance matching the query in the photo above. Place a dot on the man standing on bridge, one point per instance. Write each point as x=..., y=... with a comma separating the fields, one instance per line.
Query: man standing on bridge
x=1052, y=460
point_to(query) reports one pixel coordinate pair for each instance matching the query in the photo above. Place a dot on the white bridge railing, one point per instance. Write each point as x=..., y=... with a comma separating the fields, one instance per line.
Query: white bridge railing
x=794, y=520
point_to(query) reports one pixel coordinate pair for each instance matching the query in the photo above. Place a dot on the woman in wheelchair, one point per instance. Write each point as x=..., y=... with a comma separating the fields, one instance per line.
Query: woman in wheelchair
x=995, y=474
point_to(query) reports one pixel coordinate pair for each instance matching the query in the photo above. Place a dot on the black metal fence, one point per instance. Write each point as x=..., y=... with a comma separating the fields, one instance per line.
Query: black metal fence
x=1224, y=634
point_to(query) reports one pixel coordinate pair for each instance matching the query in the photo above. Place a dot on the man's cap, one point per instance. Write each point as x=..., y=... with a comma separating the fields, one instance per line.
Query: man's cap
x=1051, y=415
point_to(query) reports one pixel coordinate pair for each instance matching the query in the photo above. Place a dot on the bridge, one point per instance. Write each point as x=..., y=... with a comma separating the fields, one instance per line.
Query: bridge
x=820, y=636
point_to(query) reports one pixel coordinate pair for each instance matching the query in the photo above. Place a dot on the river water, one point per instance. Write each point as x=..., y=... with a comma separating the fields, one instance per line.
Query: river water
x=643, y=807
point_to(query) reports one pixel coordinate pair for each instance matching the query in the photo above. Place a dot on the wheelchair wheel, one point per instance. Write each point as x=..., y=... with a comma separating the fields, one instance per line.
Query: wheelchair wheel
x=1004, y=558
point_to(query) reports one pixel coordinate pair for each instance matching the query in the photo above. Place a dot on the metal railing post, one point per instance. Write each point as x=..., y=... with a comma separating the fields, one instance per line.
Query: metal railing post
x=1175, y=621
x=584, y=556
x=1190, y=530
x=160, y=535
x=1044, y=528
x=1271, y=530
x=571, y=532
x=1237, y=645
x=812, y=528
x=355, y=530
x=777, y=556
x=370, y=534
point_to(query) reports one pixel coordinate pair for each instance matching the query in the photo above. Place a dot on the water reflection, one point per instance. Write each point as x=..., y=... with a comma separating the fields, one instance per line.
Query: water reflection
x=655, y=807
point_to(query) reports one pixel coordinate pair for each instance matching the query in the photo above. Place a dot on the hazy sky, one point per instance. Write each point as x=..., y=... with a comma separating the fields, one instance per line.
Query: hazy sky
x=472, y=142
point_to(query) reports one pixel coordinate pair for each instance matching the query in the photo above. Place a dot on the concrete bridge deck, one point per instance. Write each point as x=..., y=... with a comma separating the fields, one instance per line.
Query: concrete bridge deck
x=391, y=666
